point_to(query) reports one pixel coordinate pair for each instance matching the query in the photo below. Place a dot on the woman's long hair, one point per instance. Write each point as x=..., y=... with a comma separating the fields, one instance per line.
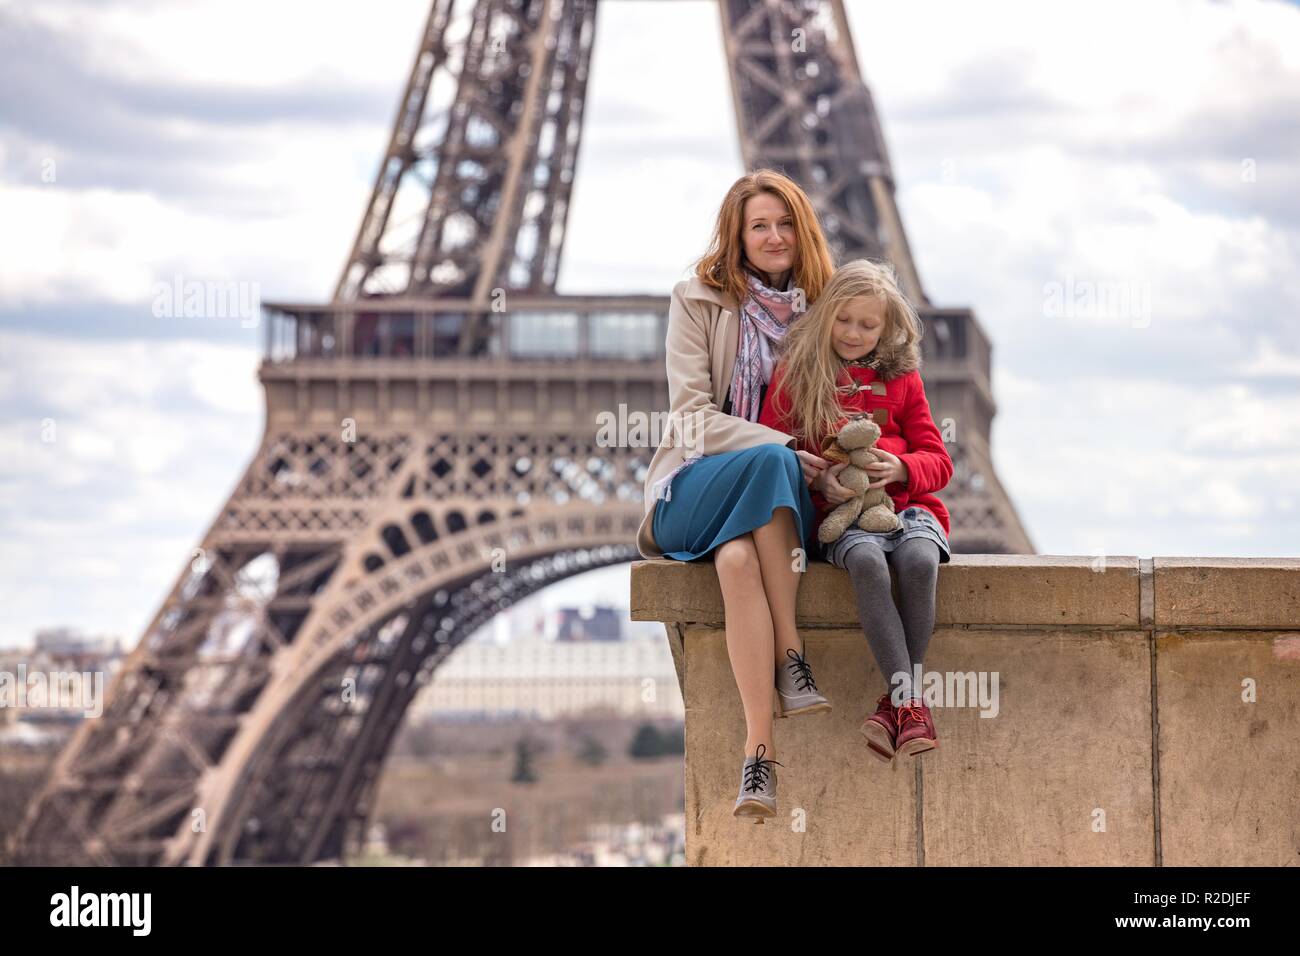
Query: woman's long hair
x=814, y=378
x=722, y=266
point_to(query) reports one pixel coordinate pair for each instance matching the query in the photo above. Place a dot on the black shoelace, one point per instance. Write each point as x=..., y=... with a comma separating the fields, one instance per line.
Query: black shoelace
x=756, y=772
x=802, y=672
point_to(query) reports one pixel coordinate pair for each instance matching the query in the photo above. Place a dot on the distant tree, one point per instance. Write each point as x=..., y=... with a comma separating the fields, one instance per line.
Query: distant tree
x=406, y=837
x=418, y=741
x=524, y=772
x=674, y=739
x=592, y=752
x=646, y=743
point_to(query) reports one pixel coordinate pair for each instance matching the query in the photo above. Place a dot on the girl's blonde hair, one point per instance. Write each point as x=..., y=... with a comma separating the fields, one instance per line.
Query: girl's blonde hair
x=721, y=266
x=814, y=378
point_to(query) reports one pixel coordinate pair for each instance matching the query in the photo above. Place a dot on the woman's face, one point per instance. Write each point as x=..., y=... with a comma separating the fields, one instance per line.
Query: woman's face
x=768, y=234
x=858, y=327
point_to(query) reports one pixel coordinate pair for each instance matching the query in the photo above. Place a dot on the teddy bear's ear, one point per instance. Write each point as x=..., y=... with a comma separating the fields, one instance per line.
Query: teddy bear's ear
x=858, y=433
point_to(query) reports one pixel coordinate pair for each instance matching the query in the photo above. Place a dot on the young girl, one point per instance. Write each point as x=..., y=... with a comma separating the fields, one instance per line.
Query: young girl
x=857, y=352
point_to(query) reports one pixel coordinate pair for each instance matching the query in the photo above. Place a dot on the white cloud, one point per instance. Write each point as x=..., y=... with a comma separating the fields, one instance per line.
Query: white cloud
x=1269, y=361
x=239, y=41
x=1131, y=459
x=147, y=444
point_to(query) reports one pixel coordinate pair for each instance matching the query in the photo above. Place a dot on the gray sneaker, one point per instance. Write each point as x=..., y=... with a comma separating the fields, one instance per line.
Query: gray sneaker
x=757, y=787
x=796, y=691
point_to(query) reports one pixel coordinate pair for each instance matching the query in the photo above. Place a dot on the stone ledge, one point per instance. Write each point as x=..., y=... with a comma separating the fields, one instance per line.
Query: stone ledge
x=995, y=590
x=1147, y=713
x=1227, y=592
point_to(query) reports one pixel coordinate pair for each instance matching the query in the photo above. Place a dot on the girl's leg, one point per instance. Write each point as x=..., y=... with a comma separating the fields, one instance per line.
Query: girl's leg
x=749, y=637
x=916, y=562
x=775, y=541
x=869, y=572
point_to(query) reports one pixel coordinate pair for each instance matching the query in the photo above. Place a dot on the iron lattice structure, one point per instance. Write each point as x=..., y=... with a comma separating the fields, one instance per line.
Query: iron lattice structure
x=432, y=452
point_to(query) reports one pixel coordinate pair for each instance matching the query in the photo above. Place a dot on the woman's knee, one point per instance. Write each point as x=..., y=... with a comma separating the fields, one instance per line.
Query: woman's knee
x=772, y=450
x=736, y=557
x=780, y=457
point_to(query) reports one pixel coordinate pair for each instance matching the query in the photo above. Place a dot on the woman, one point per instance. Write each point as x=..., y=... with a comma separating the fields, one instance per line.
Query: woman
x=722, y=484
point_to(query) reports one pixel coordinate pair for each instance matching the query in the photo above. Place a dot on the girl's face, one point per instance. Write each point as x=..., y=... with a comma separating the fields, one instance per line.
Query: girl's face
x=768, y=234
x=858, y=327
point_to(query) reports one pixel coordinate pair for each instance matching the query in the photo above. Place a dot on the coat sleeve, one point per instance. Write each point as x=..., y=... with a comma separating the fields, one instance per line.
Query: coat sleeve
x=929, y=466
x=702, y=427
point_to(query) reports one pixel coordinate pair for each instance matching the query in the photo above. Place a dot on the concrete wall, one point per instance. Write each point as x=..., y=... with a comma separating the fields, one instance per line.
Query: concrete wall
x=1121, y=737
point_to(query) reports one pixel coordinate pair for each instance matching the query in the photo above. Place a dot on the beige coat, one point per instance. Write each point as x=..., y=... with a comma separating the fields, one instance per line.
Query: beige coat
x=700, y=354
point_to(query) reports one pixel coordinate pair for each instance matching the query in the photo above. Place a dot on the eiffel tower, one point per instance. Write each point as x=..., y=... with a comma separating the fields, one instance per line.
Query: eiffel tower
x=430, y=453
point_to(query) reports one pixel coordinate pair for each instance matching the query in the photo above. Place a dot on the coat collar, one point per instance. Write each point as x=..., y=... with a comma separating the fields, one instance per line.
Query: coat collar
x=697, y=288
x=898, y=364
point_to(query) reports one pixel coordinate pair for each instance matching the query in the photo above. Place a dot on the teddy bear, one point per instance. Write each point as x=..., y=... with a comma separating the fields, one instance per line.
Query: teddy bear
x=872, y=509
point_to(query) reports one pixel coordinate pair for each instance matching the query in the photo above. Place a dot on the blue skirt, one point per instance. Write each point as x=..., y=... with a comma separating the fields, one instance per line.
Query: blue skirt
x=720, y=497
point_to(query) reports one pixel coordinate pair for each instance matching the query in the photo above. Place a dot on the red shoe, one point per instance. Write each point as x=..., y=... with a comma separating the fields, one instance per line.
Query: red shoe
x=916, y=733
x=880, y=730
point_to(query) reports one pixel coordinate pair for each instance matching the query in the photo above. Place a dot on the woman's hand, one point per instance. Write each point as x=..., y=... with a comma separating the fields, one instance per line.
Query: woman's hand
x=886, y=472
x=812, y=466
x=828, y=484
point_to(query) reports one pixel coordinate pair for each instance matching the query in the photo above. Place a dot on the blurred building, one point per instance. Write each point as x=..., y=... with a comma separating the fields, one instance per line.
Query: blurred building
x=68, y=646
x=554, y=678
x=587, y=624
x=43, y=718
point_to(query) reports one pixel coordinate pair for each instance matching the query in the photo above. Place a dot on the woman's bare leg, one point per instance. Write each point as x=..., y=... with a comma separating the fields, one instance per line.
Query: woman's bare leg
x=749, y=637
x=776, y=542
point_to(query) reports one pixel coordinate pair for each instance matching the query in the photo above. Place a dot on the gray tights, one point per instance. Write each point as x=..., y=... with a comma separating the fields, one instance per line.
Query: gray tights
x=898, y=635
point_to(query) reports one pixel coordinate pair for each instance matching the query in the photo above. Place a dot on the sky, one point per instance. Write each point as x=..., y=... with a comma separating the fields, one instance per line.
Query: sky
x=1045, y=155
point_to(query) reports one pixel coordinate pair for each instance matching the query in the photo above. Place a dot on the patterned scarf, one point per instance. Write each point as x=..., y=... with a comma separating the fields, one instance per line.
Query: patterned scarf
x=768, y=313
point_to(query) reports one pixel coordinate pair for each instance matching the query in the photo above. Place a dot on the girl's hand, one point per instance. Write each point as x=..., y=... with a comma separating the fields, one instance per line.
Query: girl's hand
x=812, y=466
x=828, y=484
x=886, y=472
